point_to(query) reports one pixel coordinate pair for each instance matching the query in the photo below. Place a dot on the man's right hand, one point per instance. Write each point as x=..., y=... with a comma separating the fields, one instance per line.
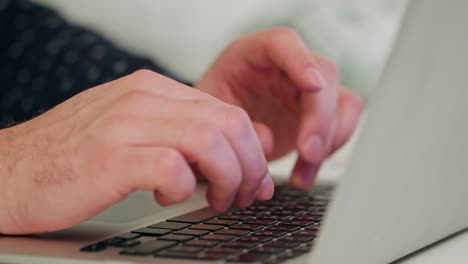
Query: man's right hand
x=141, y=132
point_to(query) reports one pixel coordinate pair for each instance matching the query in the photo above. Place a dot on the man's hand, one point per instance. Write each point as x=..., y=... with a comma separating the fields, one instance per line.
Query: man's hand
x=292, y=94
x=141, y=132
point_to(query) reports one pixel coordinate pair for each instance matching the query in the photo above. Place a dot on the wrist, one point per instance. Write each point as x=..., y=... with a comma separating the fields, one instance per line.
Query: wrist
x=6, y=173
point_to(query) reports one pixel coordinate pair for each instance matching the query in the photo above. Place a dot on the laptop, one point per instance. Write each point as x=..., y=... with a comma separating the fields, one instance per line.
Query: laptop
x=405, y=189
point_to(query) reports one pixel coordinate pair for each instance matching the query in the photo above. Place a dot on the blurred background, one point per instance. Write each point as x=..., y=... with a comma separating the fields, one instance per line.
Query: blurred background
x=186, y=36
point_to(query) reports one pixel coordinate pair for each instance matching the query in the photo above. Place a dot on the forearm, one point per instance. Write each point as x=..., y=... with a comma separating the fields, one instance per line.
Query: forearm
x=46, y=60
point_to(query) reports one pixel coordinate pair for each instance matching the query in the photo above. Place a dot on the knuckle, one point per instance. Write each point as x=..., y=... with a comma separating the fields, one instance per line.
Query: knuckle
x=284, y=31
x=237, y=121
x=132, y=98
x=143, y=76
x=172, y=163
x=210, y=137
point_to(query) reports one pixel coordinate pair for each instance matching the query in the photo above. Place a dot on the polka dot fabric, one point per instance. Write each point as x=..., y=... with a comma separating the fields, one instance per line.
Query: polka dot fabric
x=44, y=60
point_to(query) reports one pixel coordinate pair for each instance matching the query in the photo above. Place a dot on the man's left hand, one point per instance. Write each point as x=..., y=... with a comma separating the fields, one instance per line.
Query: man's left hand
x=292, y=94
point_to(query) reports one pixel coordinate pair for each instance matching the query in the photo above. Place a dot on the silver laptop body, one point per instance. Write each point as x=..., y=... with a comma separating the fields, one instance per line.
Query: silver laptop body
x=406, y=188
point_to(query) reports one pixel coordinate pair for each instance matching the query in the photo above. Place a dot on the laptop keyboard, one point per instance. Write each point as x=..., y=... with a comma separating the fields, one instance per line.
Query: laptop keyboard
x=267, y=232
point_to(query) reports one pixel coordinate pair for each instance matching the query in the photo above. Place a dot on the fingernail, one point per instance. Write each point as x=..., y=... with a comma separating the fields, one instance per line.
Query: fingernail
x=313, y=149
x=316, y=79
x=304, y=176
x=267, y=188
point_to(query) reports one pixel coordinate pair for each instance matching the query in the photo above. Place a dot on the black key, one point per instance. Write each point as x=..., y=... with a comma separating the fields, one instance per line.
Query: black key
x=283, y=244
x=245, y=227
x=232, y=232
x=244, y=212
x=202, y=243
x=187, y=249
x=149, y=247
x=310, y=218
x=170, y=225
x=94, y=247
x=196, y=216
x=191, y=232
x=283, y=228
x=313, y=227
x=270, y=233
x=239, y=244
x=298, y=238
x=176, y=254
x=312, y=233
x=112, y=241
x=151, y=231
x=234, y=217
x=207, y=227
x=128, y=243
x=173, y=237
x=298, y=207
x=259, y=222
x=222, y=250
x=218, y=237
x=296, y=223
x=224, y=222
x=257, y=239
x=284, y=212
x=273, y=217
x=249, y=257
x=128, y=236
x=258, y=207
x=267, y=250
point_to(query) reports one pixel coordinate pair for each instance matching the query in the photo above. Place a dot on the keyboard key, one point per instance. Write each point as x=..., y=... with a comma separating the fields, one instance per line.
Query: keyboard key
x=246, y=227
x=128, y=243
x=202, y=243
x=222, y=250
x=244, y=212
x=267, y=250
x=234, y=217
x=249, y=257
x=176, y=254
x=310, y=218
x=151, y=231
x=187, y=249
x=94, y=247
x=233, y=232
x=191, y=232
x=284, y=212
x=313, y=227
x=283, y=244
x=218, y=237
x=270, y=233
x=196, y=216
x=207, y=227
x=306, y=233
x=273, y=217
x=112, y=241
x=259, y=222
x=128, y=236
x=283, y=228
x=173, y=237
x=224, y=222
x=258, y=239
x=149, y=247
x=239, y=244
x=298, y=238
x=296, y=223
x=170, y=225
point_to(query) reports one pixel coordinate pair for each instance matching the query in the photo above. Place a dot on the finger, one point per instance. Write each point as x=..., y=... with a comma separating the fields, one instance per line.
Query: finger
x=285, y=48
x=204, y=146
x=265, y=136
x=304, y=174
x=318, y=112
x=237, y=126
x=156, y=169
x=349, y=113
